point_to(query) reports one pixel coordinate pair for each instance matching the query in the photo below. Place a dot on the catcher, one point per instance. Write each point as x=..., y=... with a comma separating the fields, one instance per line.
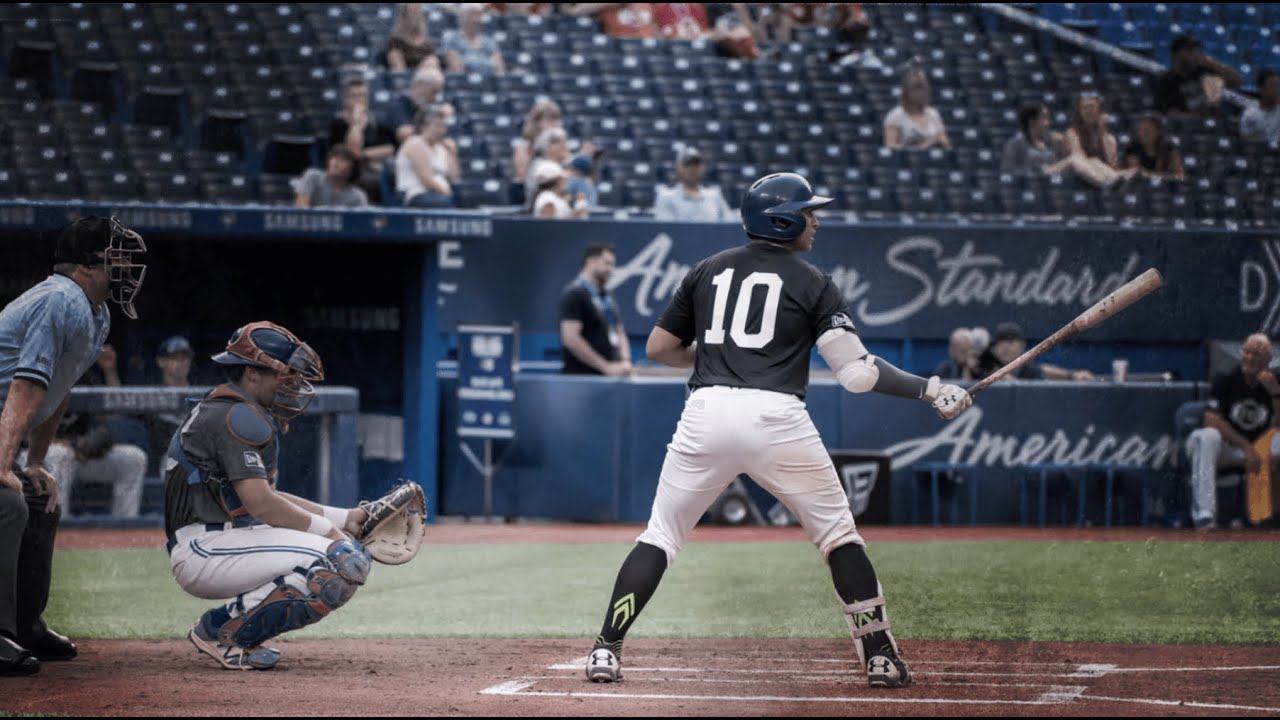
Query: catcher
x=285, y=562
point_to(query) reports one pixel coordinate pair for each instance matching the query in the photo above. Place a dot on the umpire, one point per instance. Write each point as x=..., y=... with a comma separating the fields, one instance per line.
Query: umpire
x=49, y=336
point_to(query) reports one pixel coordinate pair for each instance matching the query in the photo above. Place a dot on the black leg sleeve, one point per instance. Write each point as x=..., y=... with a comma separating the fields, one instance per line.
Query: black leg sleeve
x=637, y=580
x=855, y=580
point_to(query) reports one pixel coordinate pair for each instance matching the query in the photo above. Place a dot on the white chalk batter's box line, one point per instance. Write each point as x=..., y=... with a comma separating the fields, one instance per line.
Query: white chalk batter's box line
x=1051, y=694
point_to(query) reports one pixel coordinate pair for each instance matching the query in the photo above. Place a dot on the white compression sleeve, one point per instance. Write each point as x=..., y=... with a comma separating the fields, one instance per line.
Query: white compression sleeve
x=845, y=354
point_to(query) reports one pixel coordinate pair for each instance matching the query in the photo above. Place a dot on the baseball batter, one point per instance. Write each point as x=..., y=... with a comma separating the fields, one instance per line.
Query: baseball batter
x=745, y=320
x=285, y=562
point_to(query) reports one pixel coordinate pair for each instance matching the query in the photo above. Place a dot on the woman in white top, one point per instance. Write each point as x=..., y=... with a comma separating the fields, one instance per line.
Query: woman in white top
x=427, y=163
x=914, y=124
x=551, y=200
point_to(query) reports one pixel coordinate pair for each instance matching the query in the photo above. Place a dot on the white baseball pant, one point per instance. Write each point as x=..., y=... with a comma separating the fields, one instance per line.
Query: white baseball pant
x=1208, y=454
x=124, y=467
x=768, y=435
x=221, y=563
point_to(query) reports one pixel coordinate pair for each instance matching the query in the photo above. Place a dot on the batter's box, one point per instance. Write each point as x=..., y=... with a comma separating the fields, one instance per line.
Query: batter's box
x=793, y=679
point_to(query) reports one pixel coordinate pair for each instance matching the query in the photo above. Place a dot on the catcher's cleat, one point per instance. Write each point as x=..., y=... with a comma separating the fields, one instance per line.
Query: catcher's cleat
x=604, y=665
x=887, y=671
x=231, y=657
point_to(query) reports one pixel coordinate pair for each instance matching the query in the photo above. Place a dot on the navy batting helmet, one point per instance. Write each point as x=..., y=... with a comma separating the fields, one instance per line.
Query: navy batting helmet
x=772, y=208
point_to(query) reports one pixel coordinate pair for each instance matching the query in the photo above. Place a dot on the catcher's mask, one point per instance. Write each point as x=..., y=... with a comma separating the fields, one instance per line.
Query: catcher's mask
x=81, y=241
x=267, y=345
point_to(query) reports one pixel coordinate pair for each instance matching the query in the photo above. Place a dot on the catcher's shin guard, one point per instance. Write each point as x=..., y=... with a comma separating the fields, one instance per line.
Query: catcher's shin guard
x=869, y=619
x=330, y=584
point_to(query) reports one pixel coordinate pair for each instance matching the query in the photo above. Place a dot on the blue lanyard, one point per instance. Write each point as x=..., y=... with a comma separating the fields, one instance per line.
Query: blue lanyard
x=602, y=301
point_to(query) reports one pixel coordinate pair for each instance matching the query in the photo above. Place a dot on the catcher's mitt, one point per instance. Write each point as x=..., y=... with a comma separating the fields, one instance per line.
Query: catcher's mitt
x=393, y=532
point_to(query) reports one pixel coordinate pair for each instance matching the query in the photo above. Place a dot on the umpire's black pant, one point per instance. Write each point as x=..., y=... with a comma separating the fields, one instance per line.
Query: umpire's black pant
x=26, y=560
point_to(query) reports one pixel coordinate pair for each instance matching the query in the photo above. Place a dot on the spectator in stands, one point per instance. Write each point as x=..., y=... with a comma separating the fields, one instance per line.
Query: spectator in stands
x=581, y=185
x=1242, y=408
x=733, y=30
x=467, y=50
x=543, y=114
x=1261, y=120
x=358, y=129
x=174, y=361
x=688, y=199
x=962, y=357
x=408, y=47
x=332, y=187
x=520, y=8
x=427, y=163
x=425, y=92
x=550, y=148
x=1151, y=153
x=1007, y=343
x=1192, y=87
x=620, y=20
x=550, y=199
x=100, y=449
x=1091, y=147
x=592, y=335
x=914, y=124
x=681, y=21
x=1035, y=149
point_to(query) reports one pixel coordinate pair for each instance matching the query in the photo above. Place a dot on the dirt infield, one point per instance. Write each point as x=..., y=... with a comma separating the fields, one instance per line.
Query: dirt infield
x=539, y=677
x=662, y=678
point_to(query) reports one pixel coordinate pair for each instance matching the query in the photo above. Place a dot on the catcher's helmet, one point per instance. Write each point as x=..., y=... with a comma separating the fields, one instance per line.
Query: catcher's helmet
x=269, y=346
x=81, y=241
x=772, y=206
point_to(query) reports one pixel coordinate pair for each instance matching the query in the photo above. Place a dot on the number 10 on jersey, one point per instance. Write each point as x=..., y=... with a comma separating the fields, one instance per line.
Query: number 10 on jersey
x=742, y=309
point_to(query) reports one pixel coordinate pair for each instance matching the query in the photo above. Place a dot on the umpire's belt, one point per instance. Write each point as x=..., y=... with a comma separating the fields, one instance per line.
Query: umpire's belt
x=243, y=521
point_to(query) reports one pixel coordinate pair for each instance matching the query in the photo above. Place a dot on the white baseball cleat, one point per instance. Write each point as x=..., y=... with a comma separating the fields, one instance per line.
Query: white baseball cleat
x=884, y=671
x=604, y=666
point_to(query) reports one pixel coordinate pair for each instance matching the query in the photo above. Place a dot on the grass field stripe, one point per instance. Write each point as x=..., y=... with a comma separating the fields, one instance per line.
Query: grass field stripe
x=1058, y=694
x=753, y=698
x=1182, y=703
x=510, y=687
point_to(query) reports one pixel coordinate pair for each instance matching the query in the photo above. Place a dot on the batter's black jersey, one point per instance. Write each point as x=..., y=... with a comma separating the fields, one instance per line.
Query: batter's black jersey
x=756, y=312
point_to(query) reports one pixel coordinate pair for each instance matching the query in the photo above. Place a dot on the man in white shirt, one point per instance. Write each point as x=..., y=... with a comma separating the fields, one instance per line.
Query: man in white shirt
x=689, y=199
x=1261, y=121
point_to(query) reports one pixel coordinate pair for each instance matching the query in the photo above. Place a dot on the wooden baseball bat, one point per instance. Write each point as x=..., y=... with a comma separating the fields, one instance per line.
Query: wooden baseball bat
x=1123, y=297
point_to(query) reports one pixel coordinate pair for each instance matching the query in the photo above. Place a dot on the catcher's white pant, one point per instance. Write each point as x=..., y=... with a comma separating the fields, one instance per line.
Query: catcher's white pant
x=242, y=563
x=768, y=435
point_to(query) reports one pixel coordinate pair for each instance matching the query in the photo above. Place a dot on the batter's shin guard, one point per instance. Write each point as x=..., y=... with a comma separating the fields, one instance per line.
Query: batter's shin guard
x=877, y=650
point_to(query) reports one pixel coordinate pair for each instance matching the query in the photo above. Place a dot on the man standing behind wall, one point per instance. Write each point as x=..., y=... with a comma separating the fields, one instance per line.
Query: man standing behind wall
x=592, y=337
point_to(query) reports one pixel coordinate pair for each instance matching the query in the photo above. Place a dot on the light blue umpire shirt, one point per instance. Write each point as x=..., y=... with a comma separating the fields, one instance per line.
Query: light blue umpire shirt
x=51, y=335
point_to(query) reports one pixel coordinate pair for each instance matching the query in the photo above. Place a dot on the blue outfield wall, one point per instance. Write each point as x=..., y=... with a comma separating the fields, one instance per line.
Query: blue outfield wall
x=367, y=288
x=592, y=448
